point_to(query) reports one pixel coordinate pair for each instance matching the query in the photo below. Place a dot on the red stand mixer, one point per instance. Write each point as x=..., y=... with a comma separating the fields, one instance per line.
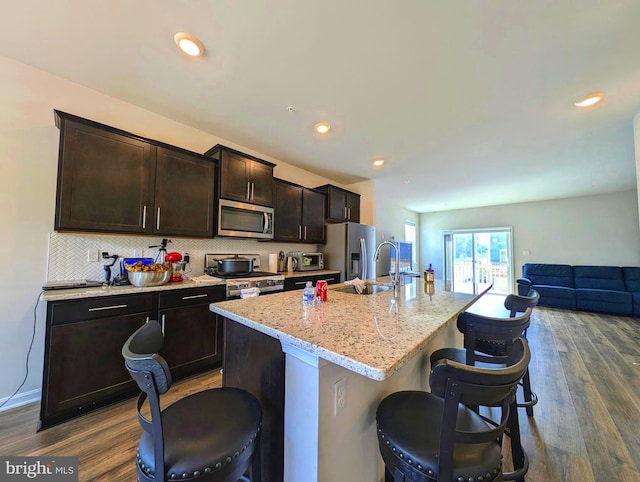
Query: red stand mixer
x=177, y=265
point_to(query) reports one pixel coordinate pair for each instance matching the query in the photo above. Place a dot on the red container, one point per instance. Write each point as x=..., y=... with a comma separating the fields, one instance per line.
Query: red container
x=321, y=290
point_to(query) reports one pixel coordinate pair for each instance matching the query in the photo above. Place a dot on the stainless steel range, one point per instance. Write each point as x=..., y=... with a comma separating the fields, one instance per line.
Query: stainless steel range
x=265, y=282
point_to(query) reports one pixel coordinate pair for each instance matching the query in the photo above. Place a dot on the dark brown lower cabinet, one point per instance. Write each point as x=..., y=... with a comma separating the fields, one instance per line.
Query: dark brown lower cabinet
x=192, y=332
x=255, y=362
x=83, y=365
x=299, y=282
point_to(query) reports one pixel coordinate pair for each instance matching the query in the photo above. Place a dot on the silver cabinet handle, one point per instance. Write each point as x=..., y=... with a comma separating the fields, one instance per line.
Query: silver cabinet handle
x=299, y=231
x=349, y=215
x=163, y=320
x=112, y=307
x=144, y=217
x=253, y=188
x=158, y=220
x=305, y=233
x=194, y=296
x=248, y=187
x=300, y=283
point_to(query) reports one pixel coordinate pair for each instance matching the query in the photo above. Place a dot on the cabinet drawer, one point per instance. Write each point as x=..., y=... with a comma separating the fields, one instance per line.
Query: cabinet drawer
x=191, y=296
x=69, y=311
x=332, y=278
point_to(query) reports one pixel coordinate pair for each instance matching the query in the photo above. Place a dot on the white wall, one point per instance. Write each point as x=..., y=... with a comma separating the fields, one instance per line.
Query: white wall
x=591, y=230
x=636, y=141
x=389, y=222
x=28, y=166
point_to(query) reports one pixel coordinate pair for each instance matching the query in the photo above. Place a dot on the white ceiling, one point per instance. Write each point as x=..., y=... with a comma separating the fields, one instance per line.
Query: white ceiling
x=469, y=102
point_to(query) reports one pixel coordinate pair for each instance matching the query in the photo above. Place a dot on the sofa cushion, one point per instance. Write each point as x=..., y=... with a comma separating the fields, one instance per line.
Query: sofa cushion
x=598, y=277
x=631, y=278
x=636, y=302
x=605, y=301
x=549, y=274
x=556, y=296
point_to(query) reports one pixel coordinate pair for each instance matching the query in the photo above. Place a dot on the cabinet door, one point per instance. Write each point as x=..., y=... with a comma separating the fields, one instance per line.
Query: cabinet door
x=287, y=212
x=104, y=181
x=234, y=177
x=193, y=333
x=313, y=204
x=192, y=339
x=262, y=184
x=337, y=202
x=353, y=207
x=84, y=366
x=184, y=196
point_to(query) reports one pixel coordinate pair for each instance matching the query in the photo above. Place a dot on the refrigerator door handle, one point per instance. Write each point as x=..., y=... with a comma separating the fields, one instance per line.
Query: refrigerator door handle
x=363, y=258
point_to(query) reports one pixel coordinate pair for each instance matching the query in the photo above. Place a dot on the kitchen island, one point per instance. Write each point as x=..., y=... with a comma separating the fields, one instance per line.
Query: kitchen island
x=320, y=371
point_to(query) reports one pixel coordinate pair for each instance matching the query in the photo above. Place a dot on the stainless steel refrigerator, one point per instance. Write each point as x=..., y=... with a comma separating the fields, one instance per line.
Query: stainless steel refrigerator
x=350, y=248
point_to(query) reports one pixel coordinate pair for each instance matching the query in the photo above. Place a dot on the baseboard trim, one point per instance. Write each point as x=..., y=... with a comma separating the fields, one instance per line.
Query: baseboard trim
x=20, y=399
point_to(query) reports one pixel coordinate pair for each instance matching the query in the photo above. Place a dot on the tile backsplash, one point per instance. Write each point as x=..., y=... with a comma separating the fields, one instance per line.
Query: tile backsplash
x=68, y=253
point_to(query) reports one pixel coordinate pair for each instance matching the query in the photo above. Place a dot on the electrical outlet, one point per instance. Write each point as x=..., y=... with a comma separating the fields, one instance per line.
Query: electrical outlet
x=526, y=252
x=138, y=253
x=340, y=389
x=93, y=255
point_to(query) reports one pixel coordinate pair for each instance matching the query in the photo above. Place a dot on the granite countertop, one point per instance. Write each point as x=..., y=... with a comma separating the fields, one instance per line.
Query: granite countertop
x=78, y=293
x=373, y=335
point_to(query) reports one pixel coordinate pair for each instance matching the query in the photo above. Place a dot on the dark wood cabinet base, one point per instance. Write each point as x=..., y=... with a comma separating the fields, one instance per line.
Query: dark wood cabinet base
x=255, y=362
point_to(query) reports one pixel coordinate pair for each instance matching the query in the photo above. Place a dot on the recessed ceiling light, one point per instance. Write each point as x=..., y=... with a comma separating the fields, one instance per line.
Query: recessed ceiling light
x=590, y=100
x=378, y=162
x=322, y=128
x=188, y=44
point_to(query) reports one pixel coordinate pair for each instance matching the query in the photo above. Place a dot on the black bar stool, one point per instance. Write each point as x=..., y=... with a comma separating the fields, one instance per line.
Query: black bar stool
x=434, y=436
x=490, y=342
x=210, y=436
x=514, y=304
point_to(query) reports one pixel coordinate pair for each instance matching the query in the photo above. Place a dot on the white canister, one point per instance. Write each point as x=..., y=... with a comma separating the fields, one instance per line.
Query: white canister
x=272, y=265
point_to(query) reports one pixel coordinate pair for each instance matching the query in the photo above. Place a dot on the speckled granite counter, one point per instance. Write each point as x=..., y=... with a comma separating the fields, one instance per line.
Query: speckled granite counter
x=373, y=335
x=78, y=293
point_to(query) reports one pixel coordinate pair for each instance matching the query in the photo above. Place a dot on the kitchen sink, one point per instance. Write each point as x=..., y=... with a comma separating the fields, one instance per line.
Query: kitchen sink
x=369, y=289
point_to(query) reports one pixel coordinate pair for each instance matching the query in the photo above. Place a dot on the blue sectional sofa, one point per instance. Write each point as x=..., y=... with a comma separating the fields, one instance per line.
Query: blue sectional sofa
x=605, y=289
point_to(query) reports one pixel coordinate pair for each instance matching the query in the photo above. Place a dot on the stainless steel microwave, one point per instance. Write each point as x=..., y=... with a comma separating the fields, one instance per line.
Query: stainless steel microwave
x=242, y=220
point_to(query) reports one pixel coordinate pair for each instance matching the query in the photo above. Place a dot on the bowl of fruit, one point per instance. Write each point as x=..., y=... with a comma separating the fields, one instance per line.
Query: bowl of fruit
x=143, y=275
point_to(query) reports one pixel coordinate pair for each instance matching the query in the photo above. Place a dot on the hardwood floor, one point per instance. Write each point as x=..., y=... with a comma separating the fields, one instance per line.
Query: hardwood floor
x=585, y=369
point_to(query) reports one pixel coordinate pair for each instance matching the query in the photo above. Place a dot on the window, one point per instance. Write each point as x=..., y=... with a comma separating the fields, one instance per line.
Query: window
x=410, y=237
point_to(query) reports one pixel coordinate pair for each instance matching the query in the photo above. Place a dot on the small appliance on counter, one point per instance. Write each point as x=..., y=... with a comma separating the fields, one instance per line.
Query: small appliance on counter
x=178, y=265
x=307, y=261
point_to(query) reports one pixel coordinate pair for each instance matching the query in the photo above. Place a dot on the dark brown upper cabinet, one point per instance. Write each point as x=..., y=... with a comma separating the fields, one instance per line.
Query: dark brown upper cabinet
x=299, y=213
x=342, y=205
x=111, y=181
x=243, y=177
x=184, y=194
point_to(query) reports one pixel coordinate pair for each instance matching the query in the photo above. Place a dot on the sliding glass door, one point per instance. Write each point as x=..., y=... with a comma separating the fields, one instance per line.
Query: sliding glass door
x=475, y=258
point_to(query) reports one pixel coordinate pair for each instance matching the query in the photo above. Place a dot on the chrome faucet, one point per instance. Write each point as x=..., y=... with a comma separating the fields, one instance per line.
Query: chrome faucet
x=395, y=277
